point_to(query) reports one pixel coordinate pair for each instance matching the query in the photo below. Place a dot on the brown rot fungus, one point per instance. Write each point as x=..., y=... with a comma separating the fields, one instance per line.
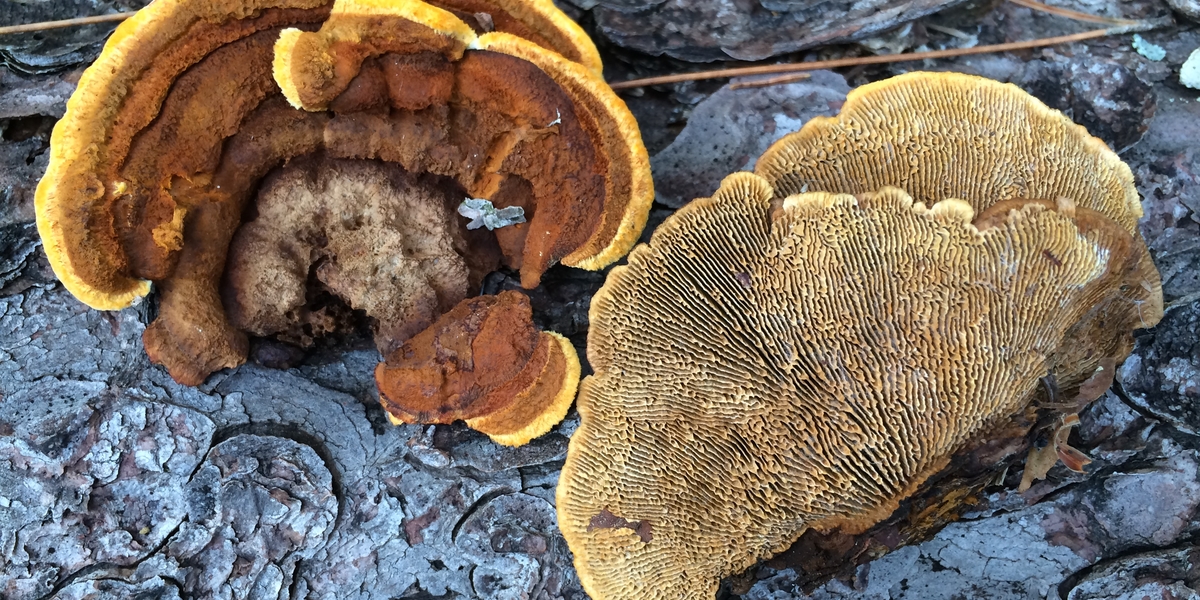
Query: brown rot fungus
x=275, y=166
x=790, y=356
x=483, y=362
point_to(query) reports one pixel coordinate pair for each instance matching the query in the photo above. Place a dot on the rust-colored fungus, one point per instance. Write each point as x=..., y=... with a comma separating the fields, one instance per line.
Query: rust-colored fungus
x=582, y=149
x=772, y=364
x=483, y=362
x=538, y=21
x=312, y=69
x=159, y=158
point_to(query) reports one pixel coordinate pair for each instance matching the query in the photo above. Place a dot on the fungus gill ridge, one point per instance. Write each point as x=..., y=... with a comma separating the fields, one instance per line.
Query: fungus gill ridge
x=808, y=346
x=760, y=373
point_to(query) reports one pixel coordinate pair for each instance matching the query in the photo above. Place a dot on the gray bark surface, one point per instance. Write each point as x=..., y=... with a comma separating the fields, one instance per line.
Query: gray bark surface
x=116, y=482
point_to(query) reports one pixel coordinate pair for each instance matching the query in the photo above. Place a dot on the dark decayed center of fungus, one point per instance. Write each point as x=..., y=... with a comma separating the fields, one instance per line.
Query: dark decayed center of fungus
x=379, y=240
x=496, y=123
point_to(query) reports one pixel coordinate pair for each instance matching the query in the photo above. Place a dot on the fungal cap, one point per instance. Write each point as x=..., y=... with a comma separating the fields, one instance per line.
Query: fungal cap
x=67, y=191
x=561, y=34
x=91, y=267
x=739, y=398
x=629, y=186
x=912, y=131
x=935, y=118
x=312, y=68
x=116, y=293
x=542, y=405
x=483, y=362
x=576, y=45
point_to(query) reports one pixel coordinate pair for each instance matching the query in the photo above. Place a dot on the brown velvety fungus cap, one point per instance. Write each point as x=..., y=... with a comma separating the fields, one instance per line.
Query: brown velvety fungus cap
x=952, y=135
x=314, y=68
x=629, y=188
x=549, y=136
x=771, y=364
x=79, y=207
x=483, y=362
x=169, y=134
x=154, y=157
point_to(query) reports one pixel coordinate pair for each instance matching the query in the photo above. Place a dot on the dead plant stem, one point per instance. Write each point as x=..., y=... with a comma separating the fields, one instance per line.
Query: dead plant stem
x=44, y=25
x=887, y=59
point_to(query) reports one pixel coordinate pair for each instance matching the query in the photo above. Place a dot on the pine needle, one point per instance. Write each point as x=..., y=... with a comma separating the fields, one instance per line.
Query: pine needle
x=44, y=25
x=891, y=58
x=1073, y=14
x=782, y=79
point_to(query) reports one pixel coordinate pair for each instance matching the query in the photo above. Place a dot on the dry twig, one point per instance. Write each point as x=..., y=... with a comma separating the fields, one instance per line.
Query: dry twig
x=44, y=25
x=1073, y=14
x=782, y=79
x=890, y=58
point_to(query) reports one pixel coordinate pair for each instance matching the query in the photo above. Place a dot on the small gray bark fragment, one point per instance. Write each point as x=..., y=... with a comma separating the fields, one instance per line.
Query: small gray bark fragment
x=482, y=214
x=1162, y=376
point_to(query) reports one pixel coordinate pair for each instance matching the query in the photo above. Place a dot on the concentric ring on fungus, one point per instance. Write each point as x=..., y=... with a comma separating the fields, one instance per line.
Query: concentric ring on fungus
x=407, y=111
x=952, y=135
x=485, y=363
x=776, y=361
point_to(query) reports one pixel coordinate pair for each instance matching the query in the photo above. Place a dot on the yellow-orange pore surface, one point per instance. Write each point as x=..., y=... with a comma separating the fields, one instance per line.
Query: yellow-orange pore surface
x=808, y=346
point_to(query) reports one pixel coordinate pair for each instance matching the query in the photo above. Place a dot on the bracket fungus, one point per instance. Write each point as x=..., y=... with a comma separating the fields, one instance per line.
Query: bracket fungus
x=485, y=363
x=193, y=104
x=791, y=355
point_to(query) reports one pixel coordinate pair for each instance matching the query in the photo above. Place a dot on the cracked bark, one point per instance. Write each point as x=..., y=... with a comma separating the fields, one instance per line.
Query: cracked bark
x=119, y=478
x=117, y=483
